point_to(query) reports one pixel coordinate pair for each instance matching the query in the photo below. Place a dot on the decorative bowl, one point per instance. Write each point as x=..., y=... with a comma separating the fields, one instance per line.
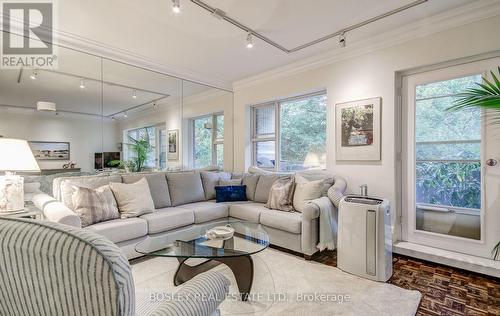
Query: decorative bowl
x=220, y=232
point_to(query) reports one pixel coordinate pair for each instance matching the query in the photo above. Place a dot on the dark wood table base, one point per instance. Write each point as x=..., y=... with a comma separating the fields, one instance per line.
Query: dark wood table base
x=242, y=267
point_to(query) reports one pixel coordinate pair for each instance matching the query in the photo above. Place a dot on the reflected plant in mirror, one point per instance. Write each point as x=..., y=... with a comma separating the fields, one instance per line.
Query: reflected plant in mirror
x=139, y=149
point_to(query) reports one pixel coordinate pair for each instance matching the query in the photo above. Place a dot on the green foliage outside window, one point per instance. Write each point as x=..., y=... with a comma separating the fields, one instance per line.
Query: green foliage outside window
x=303, y=130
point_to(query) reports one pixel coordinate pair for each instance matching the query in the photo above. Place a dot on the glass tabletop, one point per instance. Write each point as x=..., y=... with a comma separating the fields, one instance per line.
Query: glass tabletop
x=191, y=242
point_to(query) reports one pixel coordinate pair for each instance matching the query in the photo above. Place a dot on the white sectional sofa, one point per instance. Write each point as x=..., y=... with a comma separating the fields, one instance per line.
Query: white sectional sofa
x=183, y=199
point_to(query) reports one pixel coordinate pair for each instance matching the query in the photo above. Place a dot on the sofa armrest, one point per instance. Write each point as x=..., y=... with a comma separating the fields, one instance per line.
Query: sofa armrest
x=310, y=211
x=200, y=296
x=55, y=211
x=337, y=190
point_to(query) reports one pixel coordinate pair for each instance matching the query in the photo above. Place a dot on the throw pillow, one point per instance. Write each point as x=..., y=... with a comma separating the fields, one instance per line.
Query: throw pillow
x=306, y=191
x=95, y=205
x=229, y=182
x=210, y=180
x=133, y=199
x=231, y=193
x=157, y=185
x=281, y=195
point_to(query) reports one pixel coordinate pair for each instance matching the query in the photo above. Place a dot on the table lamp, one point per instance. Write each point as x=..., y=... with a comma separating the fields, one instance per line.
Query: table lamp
x=15, y=155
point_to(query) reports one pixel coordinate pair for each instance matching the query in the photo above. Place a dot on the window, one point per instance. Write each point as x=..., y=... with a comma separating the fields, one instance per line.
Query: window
x=208, y=141
x=162, y=144
x=448, y=146
x=134, y=136
x=290, y=135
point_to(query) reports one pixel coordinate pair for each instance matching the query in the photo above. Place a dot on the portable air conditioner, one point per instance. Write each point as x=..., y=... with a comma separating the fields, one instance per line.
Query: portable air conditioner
x=364, y=243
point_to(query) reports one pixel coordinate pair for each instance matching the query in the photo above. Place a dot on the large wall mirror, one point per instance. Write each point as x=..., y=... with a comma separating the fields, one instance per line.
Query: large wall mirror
x=92, y=114
x=59, y=111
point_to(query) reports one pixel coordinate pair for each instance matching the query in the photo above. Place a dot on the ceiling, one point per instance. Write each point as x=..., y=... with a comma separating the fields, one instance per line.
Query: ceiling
x=116, y=82
x=196, y=42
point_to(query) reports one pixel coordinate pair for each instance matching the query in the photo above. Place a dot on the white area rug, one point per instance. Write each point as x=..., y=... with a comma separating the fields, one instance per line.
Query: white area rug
x=285, y=284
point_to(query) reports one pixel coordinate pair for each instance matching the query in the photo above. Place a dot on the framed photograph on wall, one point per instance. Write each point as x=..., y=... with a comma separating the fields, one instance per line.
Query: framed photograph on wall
x=50, y=150
x=358, y=130
x=173, y=144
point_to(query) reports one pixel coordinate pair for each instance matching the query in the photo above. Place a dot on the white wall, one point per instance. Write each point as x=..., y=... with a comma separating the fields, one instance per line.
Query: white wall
x=361, y=77
x=83, y=133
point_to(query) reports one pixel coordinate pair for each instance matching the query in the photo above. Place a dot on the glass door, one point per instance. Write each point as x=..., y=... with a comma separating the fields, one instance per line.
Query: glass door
x=446, y=198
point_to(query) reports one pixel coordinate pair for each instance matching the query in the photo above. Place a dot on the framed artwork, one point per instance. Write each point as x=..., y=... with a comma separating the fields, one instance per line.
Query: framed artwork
x=173, y=144
x=358, y=130
x=50, y=150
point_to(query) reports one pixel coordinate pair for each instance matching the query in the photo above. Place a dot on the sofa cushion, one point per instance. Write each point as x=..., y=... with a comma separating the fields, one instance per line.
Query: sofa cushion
x=207, y=211
x=133, y=199
x=210, y=180
x=250, y=180
x=264, y=187
x=306, y=190
x=185, y=187
x=119, y=230
x=90, y=182
x=157, y=185
x=249, y=211
x=287, y=221
x=167, y=219
x=230, y=182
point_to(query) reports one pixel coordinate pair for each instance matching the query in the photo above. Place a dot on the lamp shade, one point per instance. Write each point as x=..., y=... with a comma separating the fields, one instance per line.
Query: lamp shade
x=16, y=155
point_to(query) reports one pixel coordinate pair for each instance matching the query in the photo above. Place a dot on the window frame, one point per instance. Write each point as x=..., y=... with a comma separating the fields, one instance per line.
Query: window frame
x=125, y=150
x=214, y=140
x=255, y=139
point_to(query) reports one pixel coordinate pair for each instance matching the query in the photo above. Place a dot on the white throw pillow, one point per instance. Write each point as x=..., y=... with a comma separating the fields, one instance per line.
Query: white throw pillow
x=133, y=199
x=306, y=190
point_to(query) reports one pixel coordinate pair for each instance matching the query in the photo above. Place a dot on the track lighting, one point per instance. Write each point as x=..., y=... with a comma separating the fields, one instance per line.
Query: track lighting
x=134, y=94
x=155, y=106
x=125, y=115
x=176, y=6
x=34, y=75
x=82, y=84
x=249, y=40
x=342, y=39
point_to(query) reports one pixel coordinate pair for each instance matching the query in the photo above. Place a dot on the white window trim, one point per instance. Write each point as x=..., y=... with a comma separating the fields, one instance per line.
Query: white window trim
x=215, y=141
x=277, y=131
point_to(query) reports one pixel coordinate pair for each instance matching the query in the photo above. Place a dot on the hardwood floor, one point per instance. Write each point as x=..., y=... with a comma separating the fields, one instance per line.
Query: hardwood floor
x=445, y=290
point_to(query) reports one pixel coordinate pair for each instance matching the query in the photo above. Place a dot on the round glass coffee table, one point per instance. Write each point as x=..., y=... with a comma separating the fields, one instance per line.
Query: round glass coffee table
x=191, y=242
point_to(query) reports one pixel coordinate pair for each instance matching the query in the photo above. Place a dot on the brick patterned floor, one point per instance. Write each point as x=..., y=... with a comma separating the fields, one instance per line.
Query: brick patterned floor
x=445, y=290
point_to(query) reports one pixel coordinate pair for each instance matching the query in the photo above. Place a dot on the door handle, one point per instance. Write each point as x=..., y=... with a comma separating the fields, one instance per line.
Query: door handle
x=491, y=162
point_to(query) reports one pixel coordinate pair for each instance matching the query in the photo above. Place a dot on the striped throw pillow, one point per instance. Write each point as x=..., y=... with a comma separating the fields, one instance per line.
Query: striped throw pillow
x=95, y=205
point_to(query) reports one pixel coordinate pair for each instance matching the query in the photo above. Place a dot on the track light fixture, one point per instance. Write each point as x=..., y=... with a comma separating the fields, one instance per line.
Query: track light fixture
x=342, y=39
x=82, y=84
x=176, y=6
x=125, y=115
x=34, y=75
x=134, y=94
x=249, y=40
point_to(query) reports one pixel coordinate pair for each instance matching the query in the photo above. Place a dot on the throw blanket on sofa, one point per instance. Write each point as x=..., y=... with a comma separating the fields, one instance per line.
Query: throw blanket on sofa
x=327, y=224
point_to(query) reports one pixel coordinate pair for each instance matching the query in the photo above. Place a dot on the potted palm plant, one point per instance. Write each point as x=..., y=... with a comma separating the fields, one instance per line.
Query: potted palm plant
x=485, y=95
x=140, y=149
